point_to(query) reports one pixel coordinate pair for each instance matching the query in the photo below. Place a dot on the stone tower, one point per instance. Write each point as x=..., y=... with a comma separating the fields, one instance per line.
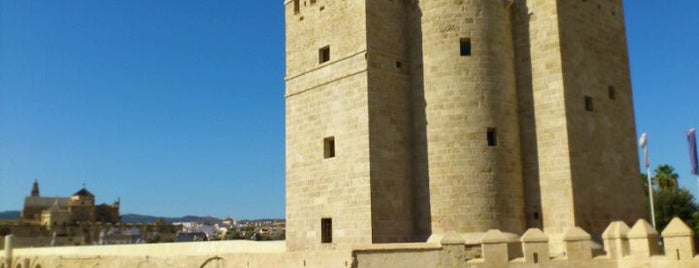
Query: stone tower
x=406, y=119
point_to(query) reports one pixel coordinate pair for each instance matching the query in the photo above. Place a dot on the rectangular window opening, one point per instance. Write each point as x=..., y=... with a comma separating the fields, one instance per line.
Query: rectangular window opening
x=612, y=93
x=398, y=64
x=329, y=147
x=324, y=55
x=297, y=7
x=465, y=46
x=492, y=137
x=326, y=230
x=589, y=106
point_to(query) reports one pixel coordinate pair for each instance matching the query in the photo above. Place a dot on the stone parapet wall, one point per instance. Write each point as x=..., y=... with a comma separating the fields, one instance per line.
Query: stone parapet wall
x=637, y=246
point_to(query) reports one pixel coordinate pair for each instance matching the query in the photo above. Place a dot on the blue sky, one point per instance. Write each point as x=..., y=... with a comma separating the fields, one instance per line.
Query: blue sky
x=178, y=108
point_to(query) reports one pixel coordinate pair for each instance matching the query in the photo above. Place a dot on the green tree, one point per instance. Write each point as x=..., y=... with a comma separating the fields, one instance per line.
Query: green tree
x=669, y=199
x=678, y=202
x=665, y=177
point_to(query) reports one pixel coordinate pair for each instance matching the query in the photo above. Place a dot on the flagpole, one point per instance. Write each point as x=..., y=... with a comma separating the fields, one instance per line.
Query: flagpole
x=650, y=197
x=643, y=142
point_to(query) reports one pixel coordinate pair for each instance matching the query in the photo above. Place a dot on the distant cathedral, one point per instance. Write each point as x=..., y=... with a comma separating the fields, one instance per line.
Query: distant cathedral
x=78, y=208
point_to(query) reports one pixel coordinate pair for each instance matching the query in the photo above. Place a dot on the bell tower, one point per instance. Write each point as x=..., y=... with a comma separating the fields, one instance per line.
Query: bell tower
x=35, y=188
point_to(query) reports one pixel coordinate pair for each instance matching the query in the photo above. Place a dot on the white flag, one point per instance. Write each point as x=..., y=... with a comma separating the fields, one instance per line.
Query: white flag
x=643, y=142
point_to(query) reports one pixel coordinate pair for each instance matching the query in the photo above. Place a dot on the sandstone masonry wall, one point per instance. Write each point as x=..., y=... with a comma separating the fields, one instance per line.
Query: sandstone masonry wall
x=327, y=100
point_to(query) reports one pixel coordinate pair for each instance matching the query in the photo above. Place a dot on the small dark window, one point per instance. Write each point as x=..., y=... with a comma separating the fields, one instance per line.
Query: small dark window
x=612, y=93
x=536, y=215
x=398, y=64
x=326, y=230
x=492, y=137
x=324, y=54
x=297, y=7
x=589, y=106
x=465, y=46
x=329, y=147
x=536, y=257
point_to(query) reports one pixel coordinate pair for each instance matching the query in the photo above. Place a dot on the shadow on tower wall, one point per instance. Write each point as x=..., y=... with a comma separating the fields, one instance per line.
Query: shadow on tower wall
x=420, y=168
x=525, y=91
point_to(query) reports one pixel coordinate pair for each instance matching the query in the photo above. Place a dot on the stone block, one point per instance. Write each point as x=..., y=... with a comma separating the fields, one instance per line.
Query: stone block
x=577, y=244
x=494, y=246
x=535, y=246
x=643, y=239
x=679, y=240
x=453, y=251
x=615, y=238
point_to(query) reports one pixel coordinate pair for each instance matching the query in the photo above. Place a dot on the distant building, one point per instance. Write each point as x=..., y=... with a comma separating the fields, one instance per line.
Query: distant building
x=229, y=222
x=55, y=216
x=79, y=207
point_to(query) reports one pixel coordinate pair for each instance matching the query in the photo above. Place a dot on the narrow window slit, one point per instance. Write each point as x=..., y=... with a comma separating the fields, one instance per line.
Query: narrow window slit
x=465, y=46
x=326, y=230
x=329, y=147
x=589, y=105
x=612, y=93
x=492, y=137
x=324, y=54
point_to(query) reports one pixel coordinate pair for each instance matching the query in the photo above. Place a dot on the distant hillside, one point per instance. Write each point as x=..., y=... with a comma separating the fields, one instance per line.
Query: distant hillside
x=10, y=215
x=136, y=218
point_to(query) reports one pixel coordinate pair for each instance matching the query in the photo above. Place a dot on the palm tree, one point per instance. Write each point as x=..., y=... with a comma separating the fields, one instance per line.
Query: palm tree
x=665, y=177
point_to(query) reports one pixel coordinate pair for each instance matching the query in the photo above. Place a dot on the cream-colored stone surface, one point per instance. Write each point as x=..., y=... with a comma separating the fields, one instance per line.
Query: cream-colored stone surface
x=578, y=165
x=546, y=163
x=643, y=239
x=616, y=240
x=327, y=100
x=473, y=187
x=602, y=143
x=679, y=240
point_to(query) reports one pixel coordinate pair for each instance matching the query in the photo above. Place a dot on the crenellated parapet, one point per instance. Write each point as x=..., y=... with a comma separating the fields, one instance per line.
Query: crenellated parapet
x=623, y=247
